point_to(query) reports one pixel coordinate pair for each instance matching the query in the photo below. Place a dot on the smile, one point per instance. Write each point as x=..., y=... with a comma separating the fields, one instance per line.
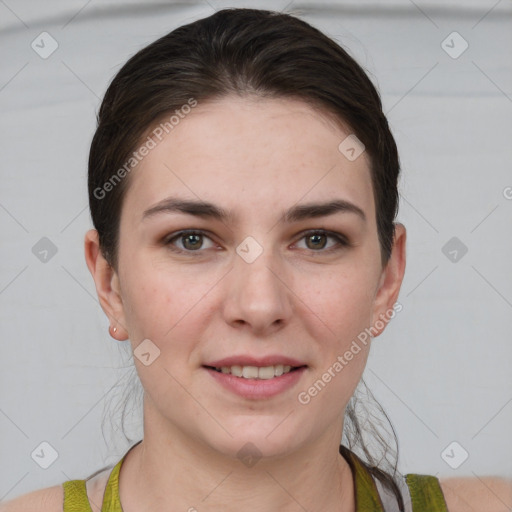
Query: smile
x=256, y=383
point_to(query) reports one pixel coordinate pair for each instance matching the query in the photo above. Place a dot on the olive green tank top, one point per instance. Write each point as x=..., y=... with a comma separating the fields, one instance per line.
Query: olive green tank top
x=422, y=493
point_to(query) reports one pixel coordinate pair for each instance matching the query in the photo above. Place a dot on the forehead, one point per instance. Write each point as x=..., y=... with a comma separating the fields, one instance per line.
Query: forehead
x=251, y=154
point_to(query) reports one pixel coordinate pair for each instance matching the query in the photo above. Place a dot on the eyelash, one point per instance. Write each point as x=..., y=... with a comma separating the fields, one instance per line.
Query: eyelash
x=342, y=241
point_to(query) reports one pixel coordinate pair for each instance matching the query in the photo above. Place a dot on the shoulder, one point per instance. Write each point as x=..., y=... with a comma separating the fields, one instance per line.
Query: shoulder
x=50, y=499
x=486, y=494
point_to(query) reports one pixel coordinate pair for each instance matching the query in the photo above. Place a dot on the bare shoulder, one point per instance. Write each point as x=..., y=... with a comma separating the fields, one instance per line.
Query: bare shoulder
x=50, y=499
x=486, y=494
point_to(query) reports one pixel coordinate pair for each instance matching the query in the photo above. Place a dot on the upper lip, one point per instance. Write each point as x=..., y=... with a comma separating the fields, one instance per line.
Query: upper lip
x=244, y=360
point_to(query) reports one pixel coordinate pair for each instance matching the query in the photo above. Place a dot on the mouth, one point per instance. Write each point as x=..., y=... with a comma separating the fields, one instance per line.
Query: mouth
x=253, y=382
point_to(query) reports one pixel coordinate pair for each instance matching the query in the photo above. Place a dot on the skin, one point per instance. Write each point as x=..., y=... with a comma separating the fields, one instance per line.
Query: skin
x=294, y=299
x=269, y=155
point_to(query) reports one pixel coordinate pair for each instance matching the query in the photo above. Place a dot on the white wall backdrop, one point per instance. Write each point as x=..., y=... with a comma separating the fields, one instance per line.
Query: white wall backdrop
x=442, y=369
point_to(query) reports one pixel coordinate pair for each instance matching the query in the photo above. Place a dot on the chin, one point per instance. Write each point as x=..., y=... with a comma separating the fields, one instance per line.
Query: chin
x=256, y=440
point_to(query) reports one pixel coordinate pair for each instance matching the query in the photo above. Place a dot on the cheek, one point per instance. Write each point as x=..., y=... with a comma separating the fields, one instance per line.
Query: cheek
x=342, y=350
x=343, y=301
x=167, y=305
x=163, y=307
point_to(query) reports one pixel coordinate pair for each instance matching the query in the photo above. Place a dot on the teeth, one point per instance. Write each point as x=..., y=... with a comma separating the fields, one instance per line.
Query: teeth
x=235, y=370
x=255, y=372
x=250, y=372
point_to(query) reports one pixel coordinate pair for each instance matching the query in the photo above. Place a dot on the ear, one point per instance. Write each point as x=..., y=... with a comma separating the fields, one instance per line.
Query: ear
x=390, y=282
x=107, y=284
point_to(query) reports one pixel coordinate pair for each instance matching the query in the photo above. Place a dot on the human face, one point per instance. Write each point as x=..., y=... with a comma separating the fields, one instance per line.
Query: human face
x=199, y=300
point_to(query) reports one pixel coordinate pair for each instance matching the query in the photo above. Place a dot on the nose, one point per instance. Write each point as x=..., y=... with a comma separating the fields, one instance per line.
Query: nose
x=257, y=294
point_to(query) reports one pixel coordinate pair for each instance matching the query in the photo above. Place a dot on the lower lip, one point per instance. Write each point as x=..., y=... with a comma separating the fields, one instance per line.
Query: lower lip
x=257, y=388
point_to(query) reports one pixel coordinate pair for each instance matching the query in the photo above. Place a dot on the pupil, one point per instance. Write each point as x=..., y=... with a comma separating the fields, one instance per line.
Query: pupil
x=315, y=238
x=196, y=243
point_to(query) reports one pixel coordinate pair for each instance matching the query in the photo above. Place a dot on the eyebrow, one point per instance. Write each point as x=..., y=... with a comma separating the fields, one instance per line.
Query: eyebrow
x=294, y=214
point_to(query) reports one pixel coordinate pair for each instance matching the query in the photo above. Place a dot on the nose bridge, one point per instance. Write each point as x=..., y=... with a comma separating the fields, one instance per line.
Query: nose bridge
x=257, y=295
x=257, y=266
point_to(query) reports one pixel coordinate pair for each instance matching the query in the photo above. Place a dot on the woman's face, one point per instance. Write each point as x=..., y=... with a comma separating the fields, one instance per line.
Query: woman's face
x=252, y=286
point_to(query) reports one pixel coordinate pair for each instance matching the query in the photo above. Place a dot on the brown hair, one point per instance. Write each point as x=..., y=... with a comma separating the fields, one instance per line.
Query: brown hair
x=242, y=52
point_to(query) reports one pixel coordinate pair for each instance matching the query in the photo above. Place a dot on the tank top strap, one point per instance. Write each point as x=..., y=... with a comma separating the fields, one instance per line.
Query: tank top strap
x=426, y=493
x=111, y=501
x=75, y=496
x=420, y=493
x=76, y=499
x=75, y=492
x=366, y=492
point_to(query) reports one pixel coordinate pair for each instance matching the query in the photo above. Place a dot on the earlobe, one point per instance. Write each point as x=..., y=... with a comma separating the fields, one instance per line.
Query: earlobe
x=390, y=283
x=107, y=283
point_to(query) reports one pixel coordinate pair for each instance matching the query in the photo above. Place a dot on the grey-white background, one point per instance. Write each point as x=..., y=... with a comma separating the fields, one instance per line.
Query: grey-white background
x=442, y=369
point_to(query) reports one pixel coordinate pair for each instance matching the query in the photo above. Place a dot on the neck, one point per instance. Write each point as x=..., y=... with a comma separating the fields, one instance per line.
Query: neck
x=171, y=471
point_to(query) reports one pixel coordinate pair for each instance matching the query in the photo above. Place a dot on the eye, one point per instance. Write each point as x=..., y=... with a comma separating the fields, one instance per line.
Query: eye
x=191, y=241
x=316, y=240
